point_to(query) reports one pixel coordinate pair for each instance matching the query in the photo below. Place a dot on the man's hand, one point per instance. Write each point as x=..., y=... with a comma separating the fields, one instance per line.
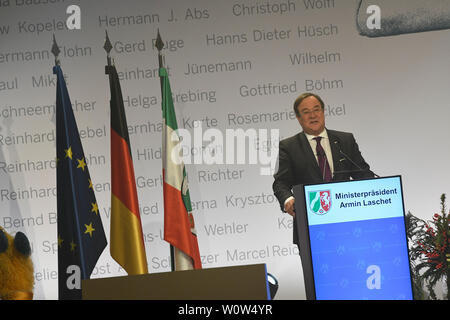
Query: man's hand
x=289, y=207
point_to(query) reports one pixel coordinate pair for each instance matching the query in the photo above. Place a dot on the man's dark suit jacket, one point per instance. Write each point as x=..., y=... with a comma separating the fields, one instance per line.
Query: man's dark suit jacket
x=298, y=165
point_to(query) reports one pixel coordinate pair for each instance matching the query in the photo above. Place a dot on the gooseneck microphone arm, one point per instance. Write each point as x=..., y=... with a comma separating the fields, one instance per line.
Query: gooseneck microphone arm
x=337, y=142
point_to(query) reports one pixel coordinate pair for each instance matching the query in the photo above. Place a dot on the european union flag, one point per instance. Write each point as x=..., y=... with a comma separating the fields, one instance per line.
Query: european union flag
x=81, y=238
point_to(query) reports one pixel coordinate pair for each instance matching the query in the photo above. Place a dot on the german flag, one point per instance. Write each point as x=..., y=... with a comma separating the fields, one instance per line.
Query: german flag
x=126, y=238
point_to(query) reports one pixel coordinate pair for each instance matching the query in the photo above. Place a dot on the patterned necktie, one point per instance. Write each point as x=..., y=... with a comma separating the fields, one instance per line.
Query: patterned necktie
x=323, y=162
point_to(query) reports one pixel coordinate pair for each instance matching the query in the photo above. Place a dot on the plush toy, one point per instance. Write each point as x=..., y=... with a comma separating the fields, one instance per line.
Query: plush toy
x=16, y=267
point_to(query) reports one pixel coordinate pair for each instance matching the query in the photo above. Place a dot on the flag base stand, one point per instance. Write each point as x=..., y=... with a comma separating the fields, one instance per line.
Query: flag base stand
x=247, y=282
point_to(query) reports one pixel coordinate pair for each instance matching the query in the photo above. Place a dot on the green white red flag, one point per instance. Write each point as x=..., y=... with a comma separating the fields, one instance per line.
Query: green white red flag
x=179, y=226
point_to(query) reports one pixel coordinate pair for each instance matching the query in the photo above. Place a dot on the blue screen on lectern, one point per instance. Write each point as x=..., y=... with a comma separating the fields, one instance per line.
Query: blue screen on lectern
x=358, y=240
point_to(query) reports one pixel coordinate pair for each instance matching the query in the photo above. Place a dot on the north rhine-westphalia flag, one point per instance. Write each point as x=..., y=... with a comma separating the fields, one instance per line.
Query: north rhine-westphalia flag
x=179, y=227
x=126, y=237
x=81, y=238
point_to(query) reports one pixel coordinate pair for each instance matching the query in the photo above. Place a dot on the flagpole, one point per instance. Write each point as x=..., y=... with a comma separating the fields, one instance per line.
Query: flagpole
x=107, y=46
x=159, y=44
x=78, y=249
x=55, y=51
x=127, y=244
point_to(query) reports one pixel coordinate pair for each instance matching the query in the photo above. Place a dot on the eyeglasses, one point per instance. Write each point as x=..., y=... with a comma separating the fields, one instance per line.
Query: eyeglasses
x=308, y=112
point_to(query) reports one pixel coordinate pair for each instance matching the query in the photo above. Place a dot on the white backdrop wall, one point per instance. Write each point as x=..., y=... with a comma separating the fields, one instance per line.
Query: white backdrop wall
x=392, y=92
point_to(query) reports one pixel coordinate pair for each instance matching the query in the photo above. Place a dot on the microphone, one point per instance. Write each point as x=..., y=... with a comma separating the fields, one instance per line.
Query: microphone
x=337, y=142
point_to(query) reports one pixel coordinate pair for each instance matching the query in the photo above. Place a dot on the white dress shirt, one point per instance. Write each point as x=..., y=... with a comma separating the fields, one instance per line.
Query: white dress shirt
x=325, y=143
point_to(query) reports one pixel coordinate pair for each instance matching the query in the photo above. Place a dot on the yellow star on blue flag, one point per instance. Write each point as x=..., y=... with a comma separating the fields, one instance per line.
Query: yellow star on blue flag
x=81, y=237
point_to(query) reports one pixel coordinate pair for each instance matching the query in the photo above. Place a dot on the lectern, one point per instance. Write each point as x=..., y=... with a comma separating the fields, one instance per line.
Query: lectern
x=248, y=282
x=352, y=240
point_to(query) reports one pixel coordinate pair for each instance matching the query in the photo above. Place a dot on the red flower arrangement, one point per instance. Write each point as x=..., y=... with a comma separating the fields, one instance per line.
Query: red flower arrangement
x=429, y=249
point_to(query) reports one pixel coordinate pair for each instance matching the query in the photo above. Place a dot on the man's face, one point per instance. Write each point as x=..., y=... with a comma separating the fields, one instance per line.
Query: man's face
x=312, y=117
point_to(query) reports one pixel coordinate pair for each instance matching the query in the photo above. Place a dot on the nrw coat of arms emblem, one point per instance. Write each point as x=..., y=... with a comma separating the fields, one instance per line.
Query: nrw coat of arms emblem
x=320, y=201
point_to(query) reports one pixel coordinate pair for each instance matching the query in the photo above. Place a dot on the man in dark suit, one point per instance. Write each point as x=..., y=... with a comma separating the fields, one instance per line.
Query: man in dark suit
x=316, y=154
